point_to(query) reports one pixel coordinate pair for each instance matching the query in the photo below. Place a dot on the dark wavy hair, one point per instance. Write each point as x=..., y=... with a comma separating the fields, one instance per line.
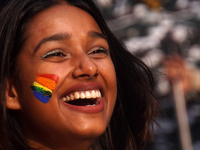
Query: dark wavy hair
x=136, y=106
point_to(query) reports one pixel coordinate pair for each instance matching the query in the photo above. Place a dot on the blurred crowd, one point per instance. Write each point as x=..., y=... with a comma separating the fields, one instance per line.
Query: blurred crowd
x=165, y=34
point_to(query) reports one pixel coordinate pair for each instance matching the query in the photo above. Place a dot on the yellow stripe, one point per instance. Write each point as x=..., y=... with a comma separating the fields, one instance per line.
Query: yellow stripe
x=41, y=86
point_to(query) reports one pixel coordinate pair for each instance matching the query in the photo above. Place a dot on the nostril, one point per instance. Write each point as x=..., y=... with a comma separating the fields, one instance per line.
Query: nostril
x=96, y=74
x=84, y=75
x=88, y=76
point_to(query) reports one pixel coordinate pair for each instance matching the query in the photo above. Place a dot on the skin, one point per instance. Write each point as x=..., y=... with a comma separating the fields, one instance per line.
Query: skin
x=53, y=125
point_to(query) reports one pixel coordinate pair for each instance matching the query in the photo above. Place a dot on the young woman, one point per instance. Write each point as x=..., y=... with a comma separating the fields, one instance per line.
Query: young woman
x=68, y=83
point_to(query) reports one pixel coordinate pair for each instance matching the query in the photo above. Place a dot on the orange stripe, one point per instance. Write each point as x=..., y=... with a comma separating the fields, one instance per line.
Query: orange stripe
x=46, y=82
x=50, y=76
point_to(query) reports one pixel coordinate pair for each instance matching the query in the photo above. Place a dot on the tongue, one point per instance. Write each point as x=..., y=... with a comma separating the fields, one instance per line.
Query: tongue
x=81, y=102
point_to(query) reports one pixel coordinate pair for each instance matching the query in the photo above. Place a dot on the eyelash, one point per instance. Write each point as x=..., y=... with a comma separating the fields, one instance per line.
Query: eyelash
x=60, y=53
x=55, y=53
x=100, y=50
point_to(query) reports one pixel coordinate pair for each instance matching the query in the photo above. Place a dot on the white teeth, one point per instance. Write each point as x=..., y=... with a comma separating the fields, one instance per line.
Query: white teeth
x=88, y=95
x=76, y=95
x=93, y=94
x=82, y=95
x=68, y=98
x=64, y=99
x=72, y=97
x=98, y=94
x=91, y=105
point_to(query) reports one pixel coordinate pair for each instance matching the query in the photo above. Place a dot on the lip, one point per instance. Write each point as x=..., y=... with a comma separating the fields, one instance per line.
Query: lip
x=87, y=109
x=84, y=87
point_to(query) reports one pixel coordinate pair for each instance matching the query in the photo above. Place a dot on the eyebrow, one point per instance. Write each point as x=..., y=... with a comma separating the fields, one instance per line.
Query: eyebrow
x=64, y=36
x=56, y=37
x=95, y=34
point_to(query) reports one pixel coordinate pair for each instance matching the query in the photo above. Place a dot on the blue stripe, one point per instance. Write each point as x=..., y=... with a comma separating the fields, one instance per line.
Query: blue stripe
x=43, y=98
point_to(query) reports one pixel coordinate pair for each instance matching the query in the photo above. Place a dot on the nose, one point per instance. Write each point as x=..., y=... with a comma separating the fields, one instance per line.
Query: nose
x=85, y=68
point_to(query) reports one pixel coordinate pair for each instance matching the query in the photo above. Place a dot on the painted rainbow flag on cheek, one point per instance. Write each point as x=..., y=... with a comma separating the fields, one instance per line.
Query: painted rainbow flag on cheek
x=43, y=86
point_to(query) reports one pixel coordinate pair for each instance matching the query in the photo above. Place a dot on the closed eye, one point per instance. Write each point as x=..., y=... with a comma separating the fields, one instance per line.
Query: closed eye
x=98, y=53
x=56, y=55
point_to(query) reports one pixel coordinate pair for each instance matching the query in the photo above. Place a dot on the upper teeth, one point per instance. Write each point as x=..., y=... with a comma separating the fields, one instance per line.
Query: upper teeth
x=82, y=95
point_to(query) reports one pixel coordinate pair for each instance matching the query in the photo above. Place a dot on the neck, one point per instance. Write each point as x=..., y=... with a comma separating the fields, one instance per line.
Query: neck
x=52, y=144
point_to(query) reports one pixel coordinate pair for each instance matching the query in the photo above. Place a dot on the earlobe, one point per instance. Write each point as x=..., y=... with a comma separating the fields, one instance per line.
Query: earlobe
x=12, y=99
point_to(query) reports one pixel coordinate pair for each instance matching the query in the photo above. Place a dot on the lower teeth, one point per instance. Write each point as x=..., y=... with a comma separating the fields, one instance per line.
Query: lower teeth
x=91, y=105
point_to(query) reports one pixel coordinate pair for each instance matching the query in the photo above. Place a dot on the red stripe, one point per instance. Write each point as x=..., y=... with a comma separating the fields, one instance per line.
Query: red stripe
x=53, y=77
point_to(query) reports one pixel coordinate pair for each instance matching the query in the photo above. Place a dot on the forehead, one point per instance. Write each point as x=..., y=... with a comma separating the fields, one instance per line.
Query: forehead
x=61, y=18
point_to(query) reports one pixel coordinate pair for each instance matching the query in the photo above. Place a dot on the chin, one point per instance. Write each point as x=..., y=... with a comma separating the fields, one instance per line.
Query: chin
x=90, y=133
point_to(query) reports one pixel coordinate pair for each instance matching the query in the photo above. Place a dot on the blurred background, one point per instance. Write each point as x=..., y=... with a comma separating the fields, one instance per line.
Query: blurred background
x=165, y=34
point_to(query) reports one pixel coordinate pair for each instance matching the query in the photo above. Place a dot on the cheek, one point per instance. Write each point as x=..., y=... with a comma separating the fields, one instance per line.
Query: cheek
x=36, y=82
x=109, y=76
x=43, y=86
x=61, y=69
x=108, y=72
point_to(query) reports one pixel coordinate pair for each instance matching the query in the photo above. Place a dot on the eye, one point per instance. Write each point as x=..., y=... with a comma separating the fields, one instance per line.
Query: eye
x=56, y=55
x=98, y=53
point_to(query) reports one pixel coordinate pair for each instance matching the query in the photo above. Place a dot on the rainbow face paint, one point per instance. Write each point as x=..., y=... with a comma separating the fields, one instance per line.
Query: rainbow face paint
x=43, y=86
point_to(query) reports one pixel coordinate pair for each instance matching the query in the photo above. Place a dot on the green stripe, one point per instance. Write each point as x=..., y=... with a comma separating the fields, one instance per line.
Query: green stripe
x=38, y=89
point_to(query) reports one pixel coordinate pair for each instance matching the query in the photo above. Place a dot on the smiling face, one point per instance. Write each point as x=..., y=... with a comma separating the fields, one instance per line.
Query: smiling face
x=66, y=42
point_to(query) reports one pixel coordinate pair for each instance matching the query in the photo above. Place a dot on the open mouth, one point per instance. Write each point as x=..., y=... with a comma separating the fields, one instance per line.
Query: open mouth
x=83, y=98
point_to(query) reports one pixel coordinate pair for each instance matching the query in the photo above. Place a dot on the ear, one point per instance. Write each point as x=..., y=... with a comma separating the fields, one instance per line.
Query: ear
x=12, y=99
